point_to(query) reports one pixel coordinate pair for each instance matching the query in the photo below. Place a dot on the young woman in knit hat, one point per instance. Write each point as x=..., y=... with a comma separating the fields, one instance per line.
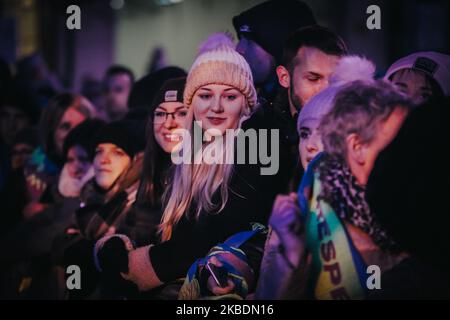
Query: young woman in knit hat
x=421, y=75
x=167, y=114
x=205, y=203
x=106, y=199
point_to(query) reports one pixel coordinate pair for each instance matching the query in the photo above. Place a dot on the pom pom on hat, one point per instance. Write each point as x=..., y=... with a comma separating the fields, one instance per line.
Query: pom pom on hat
x=352, y=68
x=220, y=64
x=215, y=41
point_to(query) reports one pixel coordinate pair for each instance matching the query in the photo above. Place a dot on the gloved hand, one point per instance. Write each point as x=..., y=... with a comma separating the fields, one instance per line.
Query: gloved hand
x=111, y=258
x=111, y=253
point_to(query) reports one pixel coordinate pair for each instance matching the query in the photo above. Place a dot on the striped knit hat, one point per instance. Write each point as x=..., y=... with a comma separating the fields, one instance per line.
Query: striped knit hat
x=220, y=65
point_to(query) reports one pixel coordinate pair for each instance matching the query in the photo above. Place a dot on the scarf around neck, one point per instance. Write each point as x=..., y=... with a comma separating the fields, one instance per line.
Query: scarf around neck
x=341, y=190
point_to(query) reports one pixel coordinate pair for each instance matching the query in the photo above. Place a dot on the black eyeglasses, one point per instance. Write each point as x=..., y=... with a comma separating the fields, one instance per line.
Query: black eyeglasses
x=161, y=116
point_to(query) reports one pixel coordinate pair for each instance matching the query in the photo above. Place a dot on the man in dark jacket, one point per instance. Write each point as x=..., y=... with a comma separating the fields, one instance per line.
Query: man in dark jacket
x=309, y=58
x=262, y=30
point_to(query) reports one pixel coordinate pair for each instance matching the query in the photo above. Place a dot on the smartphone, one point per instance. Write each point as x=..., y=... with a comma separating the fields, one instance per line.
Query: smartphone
x=219, y=274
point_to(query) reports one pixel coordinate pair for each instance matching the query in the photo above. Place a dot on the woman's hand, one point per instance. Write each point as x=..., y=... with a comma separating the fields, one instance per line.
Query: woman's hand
x=140, y=269
x=285, y=214
x=111, y=253
x=286, y=223
x=213, y=286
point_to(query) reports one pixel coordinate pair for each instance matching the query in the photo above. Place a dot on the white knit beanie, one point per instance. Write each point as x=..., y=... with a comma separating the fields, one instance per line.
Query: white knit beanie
x=434, y=64
x=220, y=65
x=349, y=68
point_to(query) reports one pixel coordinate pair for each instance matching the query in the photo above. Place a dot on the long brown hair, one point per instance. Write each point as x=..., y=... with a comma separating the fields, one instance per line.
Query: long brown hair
x=52, y=114
x=155, y=165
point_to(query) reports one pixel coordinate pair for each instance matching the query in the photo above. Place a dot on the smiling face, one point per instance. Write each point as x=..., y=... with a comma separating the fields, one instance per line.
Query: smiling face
x=110, y=162
x=218, y=107
x=310, y=141
x=168, y=117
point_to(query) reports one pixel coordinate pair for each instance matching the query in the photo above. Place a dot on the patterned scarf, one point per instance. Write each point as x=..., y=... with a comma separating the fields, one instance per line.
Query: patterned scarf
x=341, y=190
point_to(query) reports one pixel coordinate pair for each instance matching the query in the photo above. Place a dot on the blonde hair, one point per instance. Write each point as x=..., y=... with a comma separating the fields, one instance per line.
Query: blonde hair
x=196, y=184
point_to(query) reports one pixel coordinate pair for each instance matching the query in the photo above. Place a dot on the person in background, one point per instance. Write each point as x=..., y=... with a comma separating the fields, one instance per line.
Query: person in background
x=36, y=81
x=64, y=112
x=262, y=31
x=105, y=200
x=331, y=195
x=33, y=238
x=421, y=75
x=17, y=113
x=117, y=84
x=145, y=89
x=92, y=89
x=14, y=194
x=309, y=57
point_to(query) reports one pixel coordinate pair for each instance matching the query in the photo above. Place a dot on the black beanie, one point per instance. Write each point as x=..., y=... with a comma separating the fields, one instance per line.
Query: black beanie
x=121, y=133
x=145, y=89
x=171, y=91
x=82, y=135
x=270, y=23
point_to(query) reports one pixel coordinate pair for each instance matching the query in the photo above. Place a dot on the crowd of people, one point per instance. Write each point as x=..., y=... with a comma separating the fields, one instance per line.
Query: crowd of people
x=88, y=179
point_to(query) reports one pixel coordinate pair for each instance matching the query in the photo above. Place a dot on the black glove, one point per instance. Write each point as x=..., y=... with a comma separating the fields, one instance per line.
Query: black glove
x=112, y=259
x=113, y=256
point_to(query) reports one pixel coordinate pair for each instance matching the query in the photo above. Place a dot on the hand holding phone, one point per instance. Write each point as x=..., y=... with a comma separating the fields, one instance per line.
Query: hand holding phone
x=219, y=274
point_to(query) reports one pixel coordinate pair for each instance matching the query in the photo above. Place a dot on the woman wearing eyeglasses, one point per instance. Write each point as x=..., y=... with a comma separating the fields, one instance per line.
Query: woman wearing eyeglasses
x=167, y=115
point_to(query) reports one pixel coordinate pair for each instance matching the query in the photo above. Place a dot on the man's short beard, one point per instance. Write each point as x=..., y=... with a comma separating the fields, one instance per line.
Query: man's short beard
x=295, y=100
